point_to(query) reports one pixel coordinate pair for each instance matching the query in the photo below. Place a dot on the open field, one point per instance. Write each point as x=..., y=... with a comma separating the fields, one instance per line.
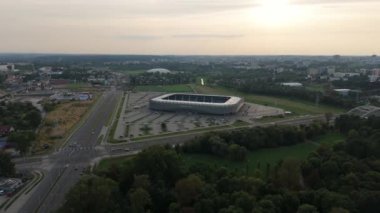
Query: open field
x=256, y=159
x=107, y=163
x=330, y=139
x=260, y=158
x=315, y=87
x=295, y=106
x=58, y=123
x=165, y=88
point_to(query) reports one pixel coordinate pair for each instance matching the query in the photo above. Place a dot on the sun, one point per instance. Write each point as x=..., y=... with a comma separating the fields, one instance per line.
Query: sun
x=276, y=13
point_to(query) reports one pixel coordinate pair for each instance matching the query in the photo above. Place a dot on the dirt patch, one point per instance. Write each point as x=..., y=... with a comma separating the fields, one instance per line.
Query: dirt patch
x=59, y=123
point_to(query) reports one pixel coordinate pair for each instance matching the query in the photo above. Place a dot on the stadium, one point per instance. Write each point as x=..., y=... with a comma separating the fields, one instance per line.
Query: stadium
x=199, y=103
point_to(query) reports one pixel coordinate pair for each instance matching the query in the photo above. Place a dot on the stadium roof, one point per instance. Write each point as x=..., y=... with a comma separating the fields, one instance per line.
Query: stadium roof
x=198, y=99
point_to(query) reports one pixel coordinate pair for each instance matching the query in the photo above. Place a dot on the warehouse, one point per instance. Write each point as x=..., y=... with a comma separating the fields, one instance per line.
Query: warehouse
x=198, y=103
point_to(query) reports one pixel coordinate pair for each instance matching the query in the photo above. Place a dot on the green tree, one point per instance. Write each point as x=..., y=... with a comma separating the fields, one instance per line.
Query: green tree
x=339, y=210
x=34, y=118
x=140, y=200
x=22, y=140
x=231, y=209
x=7, y=167
x=237, y=153
x=266, y=206
x=243, y=200
x=307, y=208
x=160, y=163
x=188, y=190
x=288, y=175
x=141, y=181
x=92, y=194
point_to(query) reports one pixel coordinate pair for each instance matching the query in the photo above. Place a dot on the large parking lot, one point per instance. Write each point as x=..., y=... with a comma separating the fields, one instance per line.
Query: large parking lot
x=136, y=119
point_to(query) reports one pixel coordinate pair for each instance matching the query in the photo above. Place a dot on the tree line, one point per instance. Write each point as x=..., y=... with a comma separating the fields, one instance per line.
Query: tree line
x=25, y=119
x=235, y=144
x=22, y=116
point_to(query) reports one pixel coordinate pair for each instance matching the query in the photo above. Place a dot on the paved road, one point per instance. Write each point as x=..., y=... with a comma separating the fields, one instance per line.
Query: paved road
x=63, y=168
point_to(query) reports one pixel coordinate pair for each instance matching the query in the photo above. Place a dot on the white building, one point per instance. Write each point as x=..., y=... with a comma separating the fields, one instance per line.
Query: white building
x=343, y=92
x=7, y=67
x=159, y=70
x=292, y=84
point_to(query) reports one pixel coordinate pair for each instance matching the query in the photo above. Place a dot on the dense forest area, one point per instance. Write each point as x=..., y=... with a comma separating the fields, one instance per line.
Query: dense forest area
x=338, y=179
x=22, y=116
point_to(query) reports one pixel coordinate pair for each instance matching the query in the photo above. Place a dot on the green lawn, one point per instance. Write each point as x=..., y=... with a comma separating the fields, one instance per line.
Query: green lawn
x=330, y=139
x=260, y=158
x=298, y=107
x=165, y=88
x=107, y=163
x=77, y=86
x=315, y=87
x=255, y=159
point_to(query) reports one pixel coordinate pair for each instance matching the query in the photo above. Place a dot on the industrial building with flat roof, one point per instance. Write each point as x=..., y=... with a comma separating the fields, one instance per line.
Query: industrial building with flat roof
x=198, y=103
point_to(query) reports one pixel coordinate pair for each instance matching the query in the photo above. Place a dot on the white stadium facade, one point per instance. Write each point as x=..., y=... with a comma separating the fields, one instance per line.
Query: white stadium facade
x=197, y=103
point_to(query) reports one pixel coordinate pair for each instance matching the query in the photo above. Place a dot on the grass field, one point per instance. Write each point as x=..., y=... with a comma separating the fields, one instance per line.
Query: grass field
x=315, y=87
x=107, y=163
x=298, y=107
x=165, y=88
x=58, y=123
x=330, y=139
x=260, y=158
x=78, y=86
x=256, y=159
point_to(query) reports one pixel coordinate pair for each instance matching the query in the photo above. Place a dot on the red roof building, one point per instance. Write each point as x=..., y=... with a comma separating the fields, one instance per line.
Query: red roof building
x=6, y=130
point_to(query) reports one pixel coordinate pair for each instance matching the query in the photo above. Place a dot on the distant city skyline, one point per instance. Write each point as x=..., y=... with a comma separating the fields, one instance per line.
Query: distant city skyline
x=191, y=27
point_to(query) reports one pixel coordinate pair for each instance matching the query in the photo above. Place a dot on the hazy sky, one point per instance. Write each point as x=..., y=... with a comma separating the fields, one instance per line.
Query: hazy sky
x=191, y=26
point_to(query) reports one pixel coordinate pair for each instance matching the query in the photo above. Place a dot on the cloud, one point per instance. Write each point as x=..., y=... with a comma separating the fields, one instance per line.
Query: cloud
x=139, y=37
x=215, y=36
x=180, y=36
x=313, y=2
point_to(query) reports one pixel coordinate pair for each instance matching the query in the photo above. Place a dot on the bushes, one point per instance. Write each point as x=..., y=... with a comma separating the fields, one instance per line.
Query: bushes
x=22, y=116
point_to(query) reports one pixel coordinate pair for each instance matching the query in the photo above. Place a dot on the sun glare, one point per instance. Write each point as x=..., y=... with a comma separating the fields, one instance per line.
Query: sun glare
x=273, y=13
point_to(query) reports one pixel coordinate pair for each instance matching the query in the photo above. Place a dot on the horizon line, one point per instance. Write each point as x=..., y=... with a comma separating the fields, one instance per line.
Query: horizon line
x=176, y=54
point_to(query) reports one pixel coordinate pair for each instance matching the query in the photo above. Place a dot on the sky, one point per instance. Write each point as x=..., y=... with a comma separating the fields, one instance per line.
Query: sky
x=191, y=27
